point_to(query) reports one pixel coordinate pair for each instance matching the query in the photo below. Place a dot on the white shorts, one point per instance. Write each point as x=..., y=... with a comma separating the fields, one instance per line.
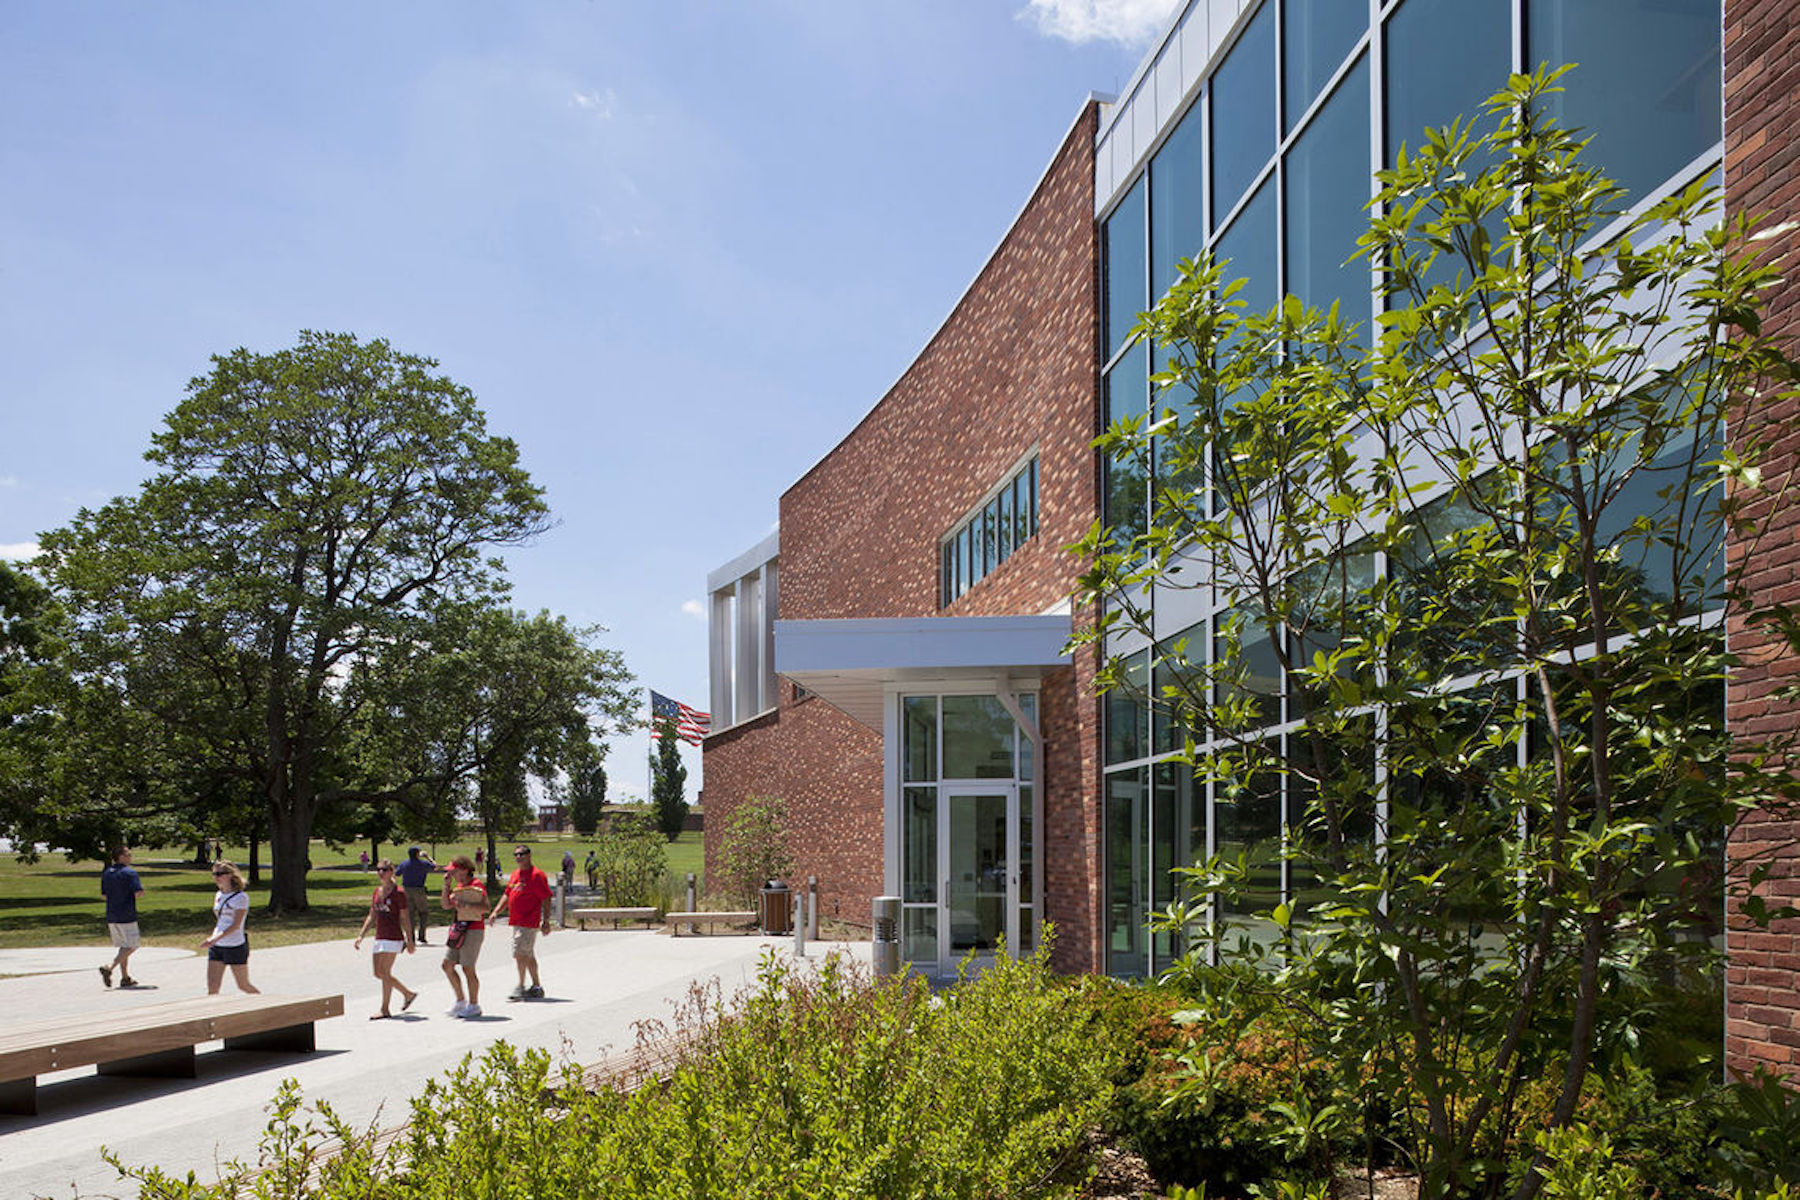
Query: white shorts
x=125, y=936
x=389, y=946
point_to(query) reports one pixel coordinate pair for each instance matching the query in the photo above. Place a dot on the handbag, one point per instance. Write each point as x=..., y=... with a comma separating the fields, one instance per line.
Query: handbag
x=458, y=929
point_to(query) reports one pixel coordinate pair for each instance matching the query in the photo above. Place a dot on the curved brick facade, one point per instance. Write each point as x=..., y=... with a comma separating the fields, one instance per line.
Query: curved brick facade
x=1011, y=369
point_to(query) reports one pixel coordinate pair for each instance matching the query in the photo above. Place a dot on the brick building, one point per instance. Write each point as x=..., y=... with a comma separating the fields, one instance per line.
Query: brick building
x=891, y=662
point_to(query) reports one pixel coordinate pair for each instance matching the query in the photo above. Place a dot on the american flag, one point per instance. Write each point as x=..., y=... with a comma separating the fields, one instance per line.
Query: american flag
x=690, y=723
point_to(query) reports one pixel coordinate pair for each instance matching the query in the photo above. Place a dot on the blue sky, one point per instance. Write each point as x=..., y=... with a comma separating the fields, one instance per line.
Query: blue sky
x=676, y=249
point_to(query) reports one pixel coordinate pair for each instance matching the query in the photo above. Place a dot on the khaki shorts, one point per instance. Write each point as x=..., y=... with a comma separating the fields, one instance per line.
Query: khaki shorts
x=525, y=941
x=125, y=936
x=465, y=954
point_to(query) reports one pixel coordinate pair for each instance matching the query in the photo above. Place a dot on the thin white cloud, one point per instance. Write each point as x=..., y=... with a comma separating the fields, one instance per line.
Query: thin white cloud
x=601, y=103
x=1128, y=22
x=694, y=608
x=7, y=481
x=18, y=551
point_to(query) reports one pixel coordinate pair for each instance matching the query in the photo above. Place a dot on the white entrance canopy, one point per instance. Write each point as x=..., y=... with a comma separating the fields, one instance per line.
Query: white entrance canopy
x=850, y=662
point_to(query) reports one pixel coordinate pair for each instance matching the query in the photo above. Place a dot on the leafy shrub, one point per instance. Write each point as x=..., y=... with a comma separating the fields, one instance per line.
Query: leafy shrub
x=1759, y=1131
x=1231, y=1099
x=827, y=1085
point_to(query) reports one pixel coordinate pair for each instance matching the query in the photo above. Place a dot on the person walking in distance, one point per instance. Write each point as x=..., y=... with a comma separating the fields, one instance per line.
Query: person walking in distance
x=466, y=898
x=393, y=933
x=229, y=945
x=524, y=903
x=412, y=874
x=121, y=887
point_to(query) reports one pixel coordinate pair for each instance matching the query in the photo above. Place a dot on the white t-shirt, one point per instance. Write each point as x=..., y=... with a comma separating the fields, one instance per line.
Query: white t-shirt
x=226, y=906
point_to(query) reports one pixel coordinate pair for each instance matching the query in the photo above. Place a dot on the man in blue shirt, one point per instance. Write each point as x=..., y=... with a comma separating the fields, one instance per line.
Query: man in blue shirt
x=121, y=887
x=413, y=873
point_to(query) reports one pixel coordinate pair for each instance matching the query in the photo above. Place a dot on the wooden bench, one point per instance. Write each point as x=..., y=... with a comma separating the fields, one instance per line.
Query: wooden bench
x=153, y=1039
x=675, y=920
x=615, y=915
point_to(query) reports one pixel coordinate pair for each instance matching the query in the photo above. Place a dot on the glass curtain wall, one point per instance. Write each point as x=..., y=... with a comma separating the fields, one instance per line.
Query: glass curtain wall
x=1269, y=166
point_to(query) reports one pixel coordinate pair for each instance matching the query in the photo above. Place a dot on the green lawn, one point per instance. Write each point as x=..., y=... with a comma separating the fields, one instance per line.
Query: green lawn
x=57, y=903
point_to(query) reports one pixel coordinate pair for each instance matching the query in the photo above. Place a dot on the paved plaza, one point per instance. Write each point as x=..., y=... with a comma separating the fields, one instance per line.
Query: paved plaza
x=597, y=984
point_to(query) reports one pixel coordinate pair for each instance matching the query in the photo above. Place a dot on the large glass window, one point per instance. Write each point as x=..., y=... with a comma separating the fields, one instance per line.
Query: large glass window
x=1327, y=187
x=1444, y=57
x=1177, y=201
x=1128, y=480
x=1126, y=810
x=919, y=883
x=1250, y=245
x=1248, y=816
x=918, y=739
x=1127, y=718
x=1126, y=293
x=1243, y=112
x=978, y=738
x=1646, y=86
x=1180, y=678
x=1316, y=35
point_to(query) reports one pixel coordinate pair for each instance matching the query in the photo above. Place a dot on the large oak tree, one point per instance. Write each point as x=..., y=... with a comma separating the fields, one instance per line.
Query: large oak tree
x=312, y=510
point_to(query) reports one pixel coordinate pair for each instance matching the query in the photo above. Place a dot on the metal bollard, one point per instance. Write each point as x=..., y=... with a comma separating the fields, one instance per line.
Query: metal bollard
x=812, y=907
x=800, y=925
x=885, y=952
x=691, y=898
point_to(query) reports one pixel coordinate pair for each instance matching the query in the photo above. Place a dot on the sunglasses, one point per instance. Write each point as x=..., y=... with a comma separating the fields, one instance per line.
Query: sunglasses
x=384, y=870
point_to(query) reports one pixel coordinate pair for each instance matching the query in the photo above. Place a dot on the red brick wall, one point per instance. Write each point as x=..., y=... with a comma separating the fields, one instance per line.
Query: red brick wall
x=1011, y=369
x=828, y=769
x=1762, y=176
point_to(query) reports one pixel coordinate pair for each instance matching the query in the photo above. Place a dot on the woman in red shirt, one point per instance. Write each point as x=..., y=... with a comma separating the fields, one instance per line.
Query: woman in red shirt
x=393, y=933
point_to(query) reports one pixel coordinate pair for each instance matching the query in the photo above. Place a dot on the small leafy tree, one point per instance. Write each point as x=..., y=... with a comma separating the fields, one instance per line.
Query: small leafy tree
x=668, y=787
x=633, y=858
x=587, y=798
x=753, y=848
x=1483, y=550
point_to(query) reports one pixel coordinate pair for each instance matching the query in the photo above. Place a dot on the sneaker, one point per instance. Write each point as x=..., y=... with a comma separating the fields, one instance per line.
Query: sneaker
x=534, y=992
x=470, y=1010
x=460, y=1008
x=106, y=976
x=517, y=993
x=127, y=981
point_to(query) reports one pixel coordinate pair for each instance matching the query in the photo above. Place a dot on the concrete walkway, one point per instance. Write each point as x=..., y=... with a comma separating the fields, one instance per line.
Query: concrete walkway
x=598, y=985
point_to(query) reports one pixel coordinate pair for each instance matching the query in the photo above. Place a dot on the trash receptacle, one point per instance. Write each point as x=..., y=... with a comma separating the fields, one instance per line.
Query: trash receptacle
x=777, y=908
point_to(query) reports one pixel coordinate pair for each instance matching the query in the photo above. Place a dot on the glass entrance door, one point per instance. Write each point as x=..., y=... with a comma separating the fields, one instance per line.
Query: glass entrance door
x=978, y=864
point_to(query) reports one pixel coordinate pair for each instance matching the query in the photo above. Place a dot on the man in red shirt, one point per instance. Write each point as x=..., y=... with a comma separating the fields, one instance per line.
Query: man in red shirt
x=524, y=903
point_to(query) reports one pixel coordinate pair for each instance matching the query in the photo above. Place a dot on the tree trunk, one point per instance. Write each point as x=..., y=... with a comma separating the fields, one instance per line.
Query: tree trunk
x=255, y=858
x=288, y=846
x=493, y=863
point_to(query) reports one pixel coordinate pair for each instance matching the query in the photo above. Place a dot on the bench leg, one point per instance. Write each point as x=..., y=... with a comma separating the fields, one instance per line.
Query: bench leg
x=173, y=1064
x=296, y=1038
x=18, y=1097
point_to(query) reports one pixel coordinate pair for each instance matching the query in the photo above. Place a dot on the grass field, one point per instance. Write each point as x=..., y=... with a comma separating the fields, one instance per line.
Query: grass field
x=54, y=902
